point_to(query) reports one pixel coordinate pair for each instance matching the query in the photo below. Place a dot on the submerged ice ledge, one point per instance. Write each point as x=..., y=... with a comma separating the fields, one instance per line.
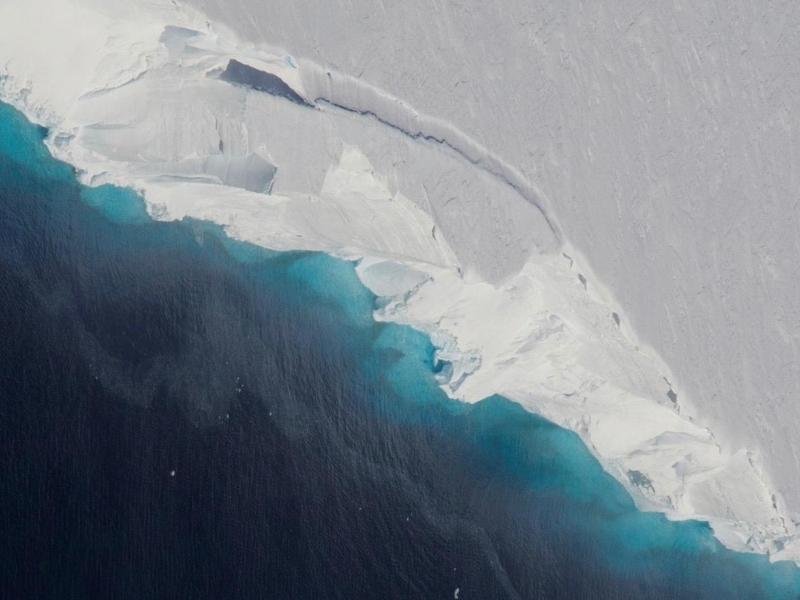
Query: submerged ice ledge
x=142, y=100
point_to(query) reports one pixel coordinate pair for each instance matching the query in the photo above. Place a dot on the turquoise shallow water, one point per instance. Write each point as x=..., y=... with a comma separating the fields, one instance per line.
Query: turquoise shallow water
x=184, y=415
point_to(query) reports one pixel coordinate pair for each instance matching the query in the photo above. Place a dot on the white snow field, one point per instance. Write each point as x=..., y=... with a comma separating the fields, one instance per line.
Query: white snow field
x=489, y=165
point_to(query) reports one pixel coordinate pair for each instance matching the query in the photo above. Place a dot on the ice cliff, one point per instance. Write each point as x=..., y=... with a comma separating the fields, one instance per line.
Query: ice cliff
x=487, y=185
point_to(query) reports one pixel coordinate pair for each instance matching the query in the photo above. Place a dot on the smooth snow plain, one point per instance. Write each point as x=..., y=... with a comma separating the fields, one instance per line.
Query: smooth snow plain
x=294, y=151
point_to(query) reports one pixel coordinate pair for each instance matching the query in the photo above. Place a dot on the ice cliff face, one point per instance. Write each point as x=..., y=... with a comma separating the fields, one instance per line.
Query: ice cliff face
x=665, y=135
x=469, y=158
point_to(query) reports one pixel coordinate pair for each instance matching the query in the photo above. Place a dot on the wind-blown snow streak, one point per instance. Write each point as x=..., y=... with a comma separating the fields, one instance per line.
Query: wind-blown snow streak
x=452, y=238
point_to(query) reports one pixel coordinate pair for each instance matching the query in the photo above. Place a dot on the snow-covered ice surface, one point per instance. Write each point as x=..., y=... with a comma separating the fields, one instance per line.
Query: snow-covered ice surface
x=471, y=157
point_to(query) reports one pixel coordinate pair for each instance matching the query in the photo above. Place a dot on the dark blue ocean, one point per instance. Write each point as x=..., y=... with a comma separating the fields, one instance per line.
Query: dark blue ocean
x=184, y=416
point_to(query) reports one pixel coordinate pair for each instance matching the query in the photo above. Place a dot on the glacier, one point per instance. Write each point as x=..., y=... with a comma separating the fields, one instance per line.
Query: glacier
x=496, y=243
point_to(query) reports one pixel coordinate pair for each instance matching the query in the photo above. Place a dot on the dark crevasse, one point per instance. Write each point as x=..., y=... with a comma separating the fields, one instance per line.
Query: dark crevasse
x=184, y=416
x=262, y=81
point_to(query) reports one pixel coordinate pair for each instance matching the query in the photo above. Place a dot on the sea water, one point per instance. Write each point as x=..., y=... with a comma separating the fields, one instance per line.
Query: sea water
x=186, y=416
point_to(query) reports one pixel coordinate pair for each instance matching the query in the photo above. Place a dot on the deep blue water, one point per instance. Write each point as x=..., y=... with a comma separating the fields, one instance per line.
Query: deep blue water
x=183, y=416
